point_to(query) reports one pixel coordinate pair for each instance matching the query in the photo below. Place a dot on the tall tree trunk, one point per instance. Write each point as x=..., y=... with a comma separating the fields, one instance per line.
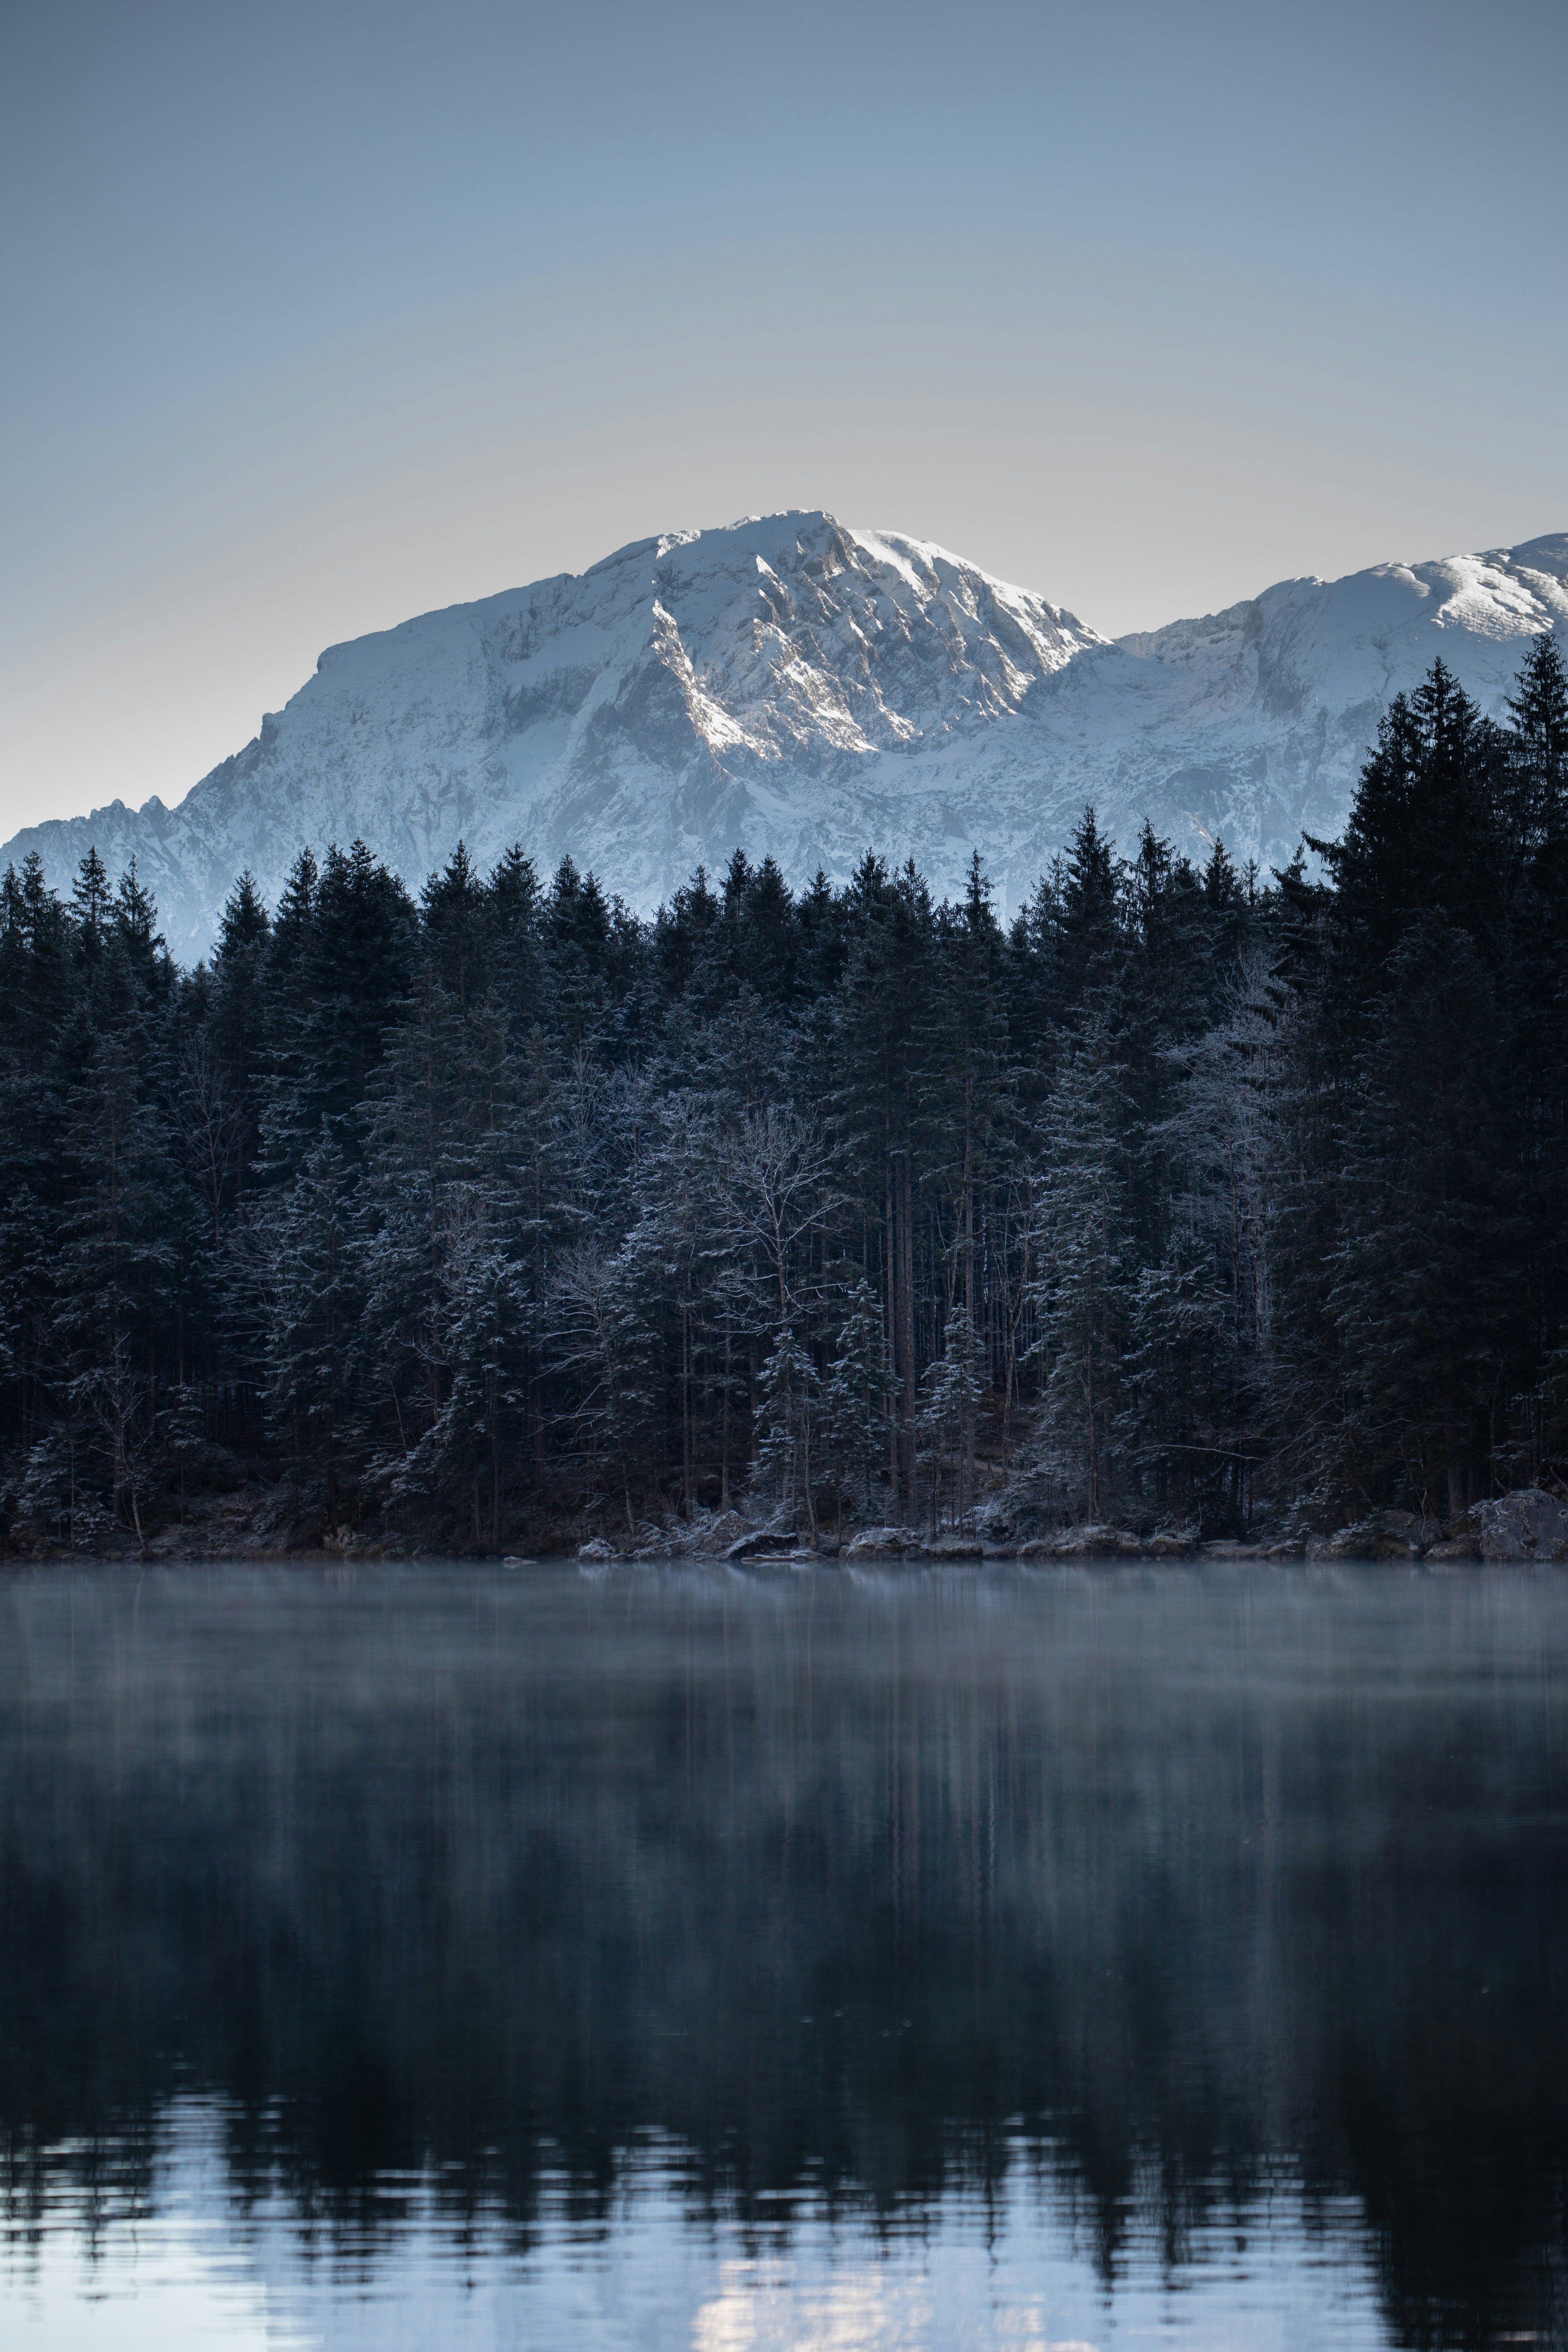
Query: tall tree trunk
x=907, y=1246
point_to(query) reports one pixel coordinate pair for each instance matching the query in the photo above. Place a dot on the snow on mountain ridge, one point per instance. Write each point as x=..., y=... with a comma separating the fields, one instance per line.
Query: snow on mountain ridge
x=789, y=685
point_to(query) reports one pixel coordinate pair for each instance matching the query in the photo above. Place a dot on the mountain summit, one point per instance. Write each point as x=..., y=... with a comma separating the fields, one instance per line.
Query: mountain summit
x=791, y=686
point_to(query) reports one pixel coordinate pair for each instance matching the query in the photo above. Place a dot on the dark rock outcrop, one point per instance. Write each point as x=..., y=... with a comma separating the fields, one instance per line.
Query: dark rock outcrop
x=884, y=1543
x=1529, y=1525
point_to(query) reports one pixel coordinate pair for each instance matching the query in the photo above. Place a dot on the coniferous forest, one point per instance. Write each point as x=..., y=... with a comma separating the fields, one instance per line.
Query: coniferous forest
x=1194, y=1199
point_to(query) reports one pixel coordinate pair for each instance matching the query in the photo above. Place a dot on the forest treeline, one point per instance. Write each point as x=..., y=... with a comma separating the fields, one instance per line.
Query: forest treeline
x=1193, y=1197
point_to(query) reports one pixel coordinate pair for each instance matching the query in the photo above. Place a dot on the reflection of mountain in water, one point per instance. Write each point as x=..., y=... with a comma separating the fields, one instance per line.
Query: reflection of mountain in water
x=832, y=1883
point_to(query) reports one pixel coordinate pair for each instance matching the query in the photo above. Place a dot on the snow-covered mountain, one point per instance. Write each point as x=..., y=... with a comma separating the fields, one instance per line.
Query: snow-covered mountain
x=793, y=686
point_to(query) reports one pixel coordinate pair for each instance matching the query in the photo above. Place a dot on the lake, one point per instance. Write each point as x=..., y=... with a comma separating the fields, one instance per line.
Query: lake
x=452, y=1955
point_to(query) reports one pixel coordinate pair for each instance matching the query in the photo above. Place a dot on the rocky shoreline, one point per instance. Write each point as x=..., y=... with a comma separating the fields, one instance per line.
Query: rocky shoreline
x=1529, y=1524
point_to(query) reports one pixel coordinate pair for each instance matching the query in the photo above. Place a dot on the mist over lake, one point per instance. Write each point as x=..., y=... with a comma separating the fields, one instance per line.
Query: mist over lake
x=691, y=1957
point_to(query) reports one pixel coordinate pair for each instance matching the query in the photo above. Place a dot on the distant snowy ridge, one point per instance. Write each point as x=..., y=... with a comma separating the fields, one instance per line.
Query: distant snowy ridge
x=791, y=686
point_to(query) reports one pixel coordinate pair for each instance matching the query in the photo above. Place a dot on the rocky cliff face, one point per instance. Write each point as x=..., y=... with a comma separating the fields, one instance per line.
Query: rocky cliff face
x=794, y=687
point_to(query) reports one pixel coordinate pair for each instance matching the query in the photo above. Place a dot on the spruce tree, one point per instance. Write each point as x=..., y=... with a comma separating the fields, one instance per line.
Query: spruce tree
x=602, y=1345
x=316, y=1376
x=1427, y=1291
x=454, y=907
x=1082, y=1290
x=344, y=958
x=1538, y=750
x=1182, y=1409
x=117, y=1257
x=950, y=1398
x=859, y=1397
x=513, y=953
x=882, y=1010
x=964, y=1110
x=239, y=1015
x=786, y=1423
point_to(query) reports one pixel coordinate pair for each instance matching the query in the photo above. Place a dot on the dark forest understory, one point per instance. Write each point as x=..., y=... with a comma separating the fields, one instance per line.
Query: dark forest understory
x=1196, y=1199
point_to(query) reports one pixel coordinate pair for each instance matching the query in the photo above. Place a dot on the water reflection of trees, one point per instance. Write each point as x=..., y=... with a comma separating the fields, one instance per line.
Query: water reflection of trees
x=839, y=1886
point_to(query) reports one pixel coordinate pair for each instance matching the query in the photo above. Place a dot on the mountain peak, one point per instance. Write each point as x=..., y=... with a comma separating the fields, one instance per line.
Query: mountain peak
x=791, y=685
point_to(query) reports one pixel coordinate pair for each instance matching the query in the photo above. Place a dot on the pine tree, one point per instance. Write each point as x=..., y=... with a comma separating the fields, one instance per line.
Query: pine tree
x=1533, y=986
x=1202, y=1312
x=687, y=1265
x=883, y=1008
x=578, y=932
x=314, y=1299
x=91, y=900
x=439, y=1192
x=1082, y=1291
x=238, y=1017
x=1090, y=913
x=950, y=1398
x=603, y=1344
x=344, y=958
x=455, y=909
x=181, y=1438
x=964, y=1105
x=690, y=948
x=462, y=1463
x=514, y=957
x=1539, y=750
x=1181, y=1409
x=1423, y=833
x=786, y=1423
x=142, y=944
x=117, y=1254
x=29, y=1308
x=37, y=979
x=59, y=1496
x=859, y=1396
x=1426, y=1289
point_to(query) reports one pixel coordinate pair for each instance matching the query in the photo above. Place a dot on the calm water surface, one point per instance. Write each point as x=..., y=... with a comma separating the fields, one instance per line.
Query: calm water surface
x=442, y=1956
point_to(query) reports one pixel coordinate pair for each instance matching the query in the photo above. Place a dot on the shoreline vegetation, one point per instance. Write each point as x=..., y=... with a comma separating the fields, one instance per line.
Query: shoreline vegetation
x=1199, y=1213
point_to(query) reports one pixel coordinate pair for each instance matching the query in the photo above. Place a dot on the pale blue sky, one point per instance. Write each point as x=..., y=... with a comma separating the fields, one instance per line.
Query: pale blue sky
x=317, y=317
